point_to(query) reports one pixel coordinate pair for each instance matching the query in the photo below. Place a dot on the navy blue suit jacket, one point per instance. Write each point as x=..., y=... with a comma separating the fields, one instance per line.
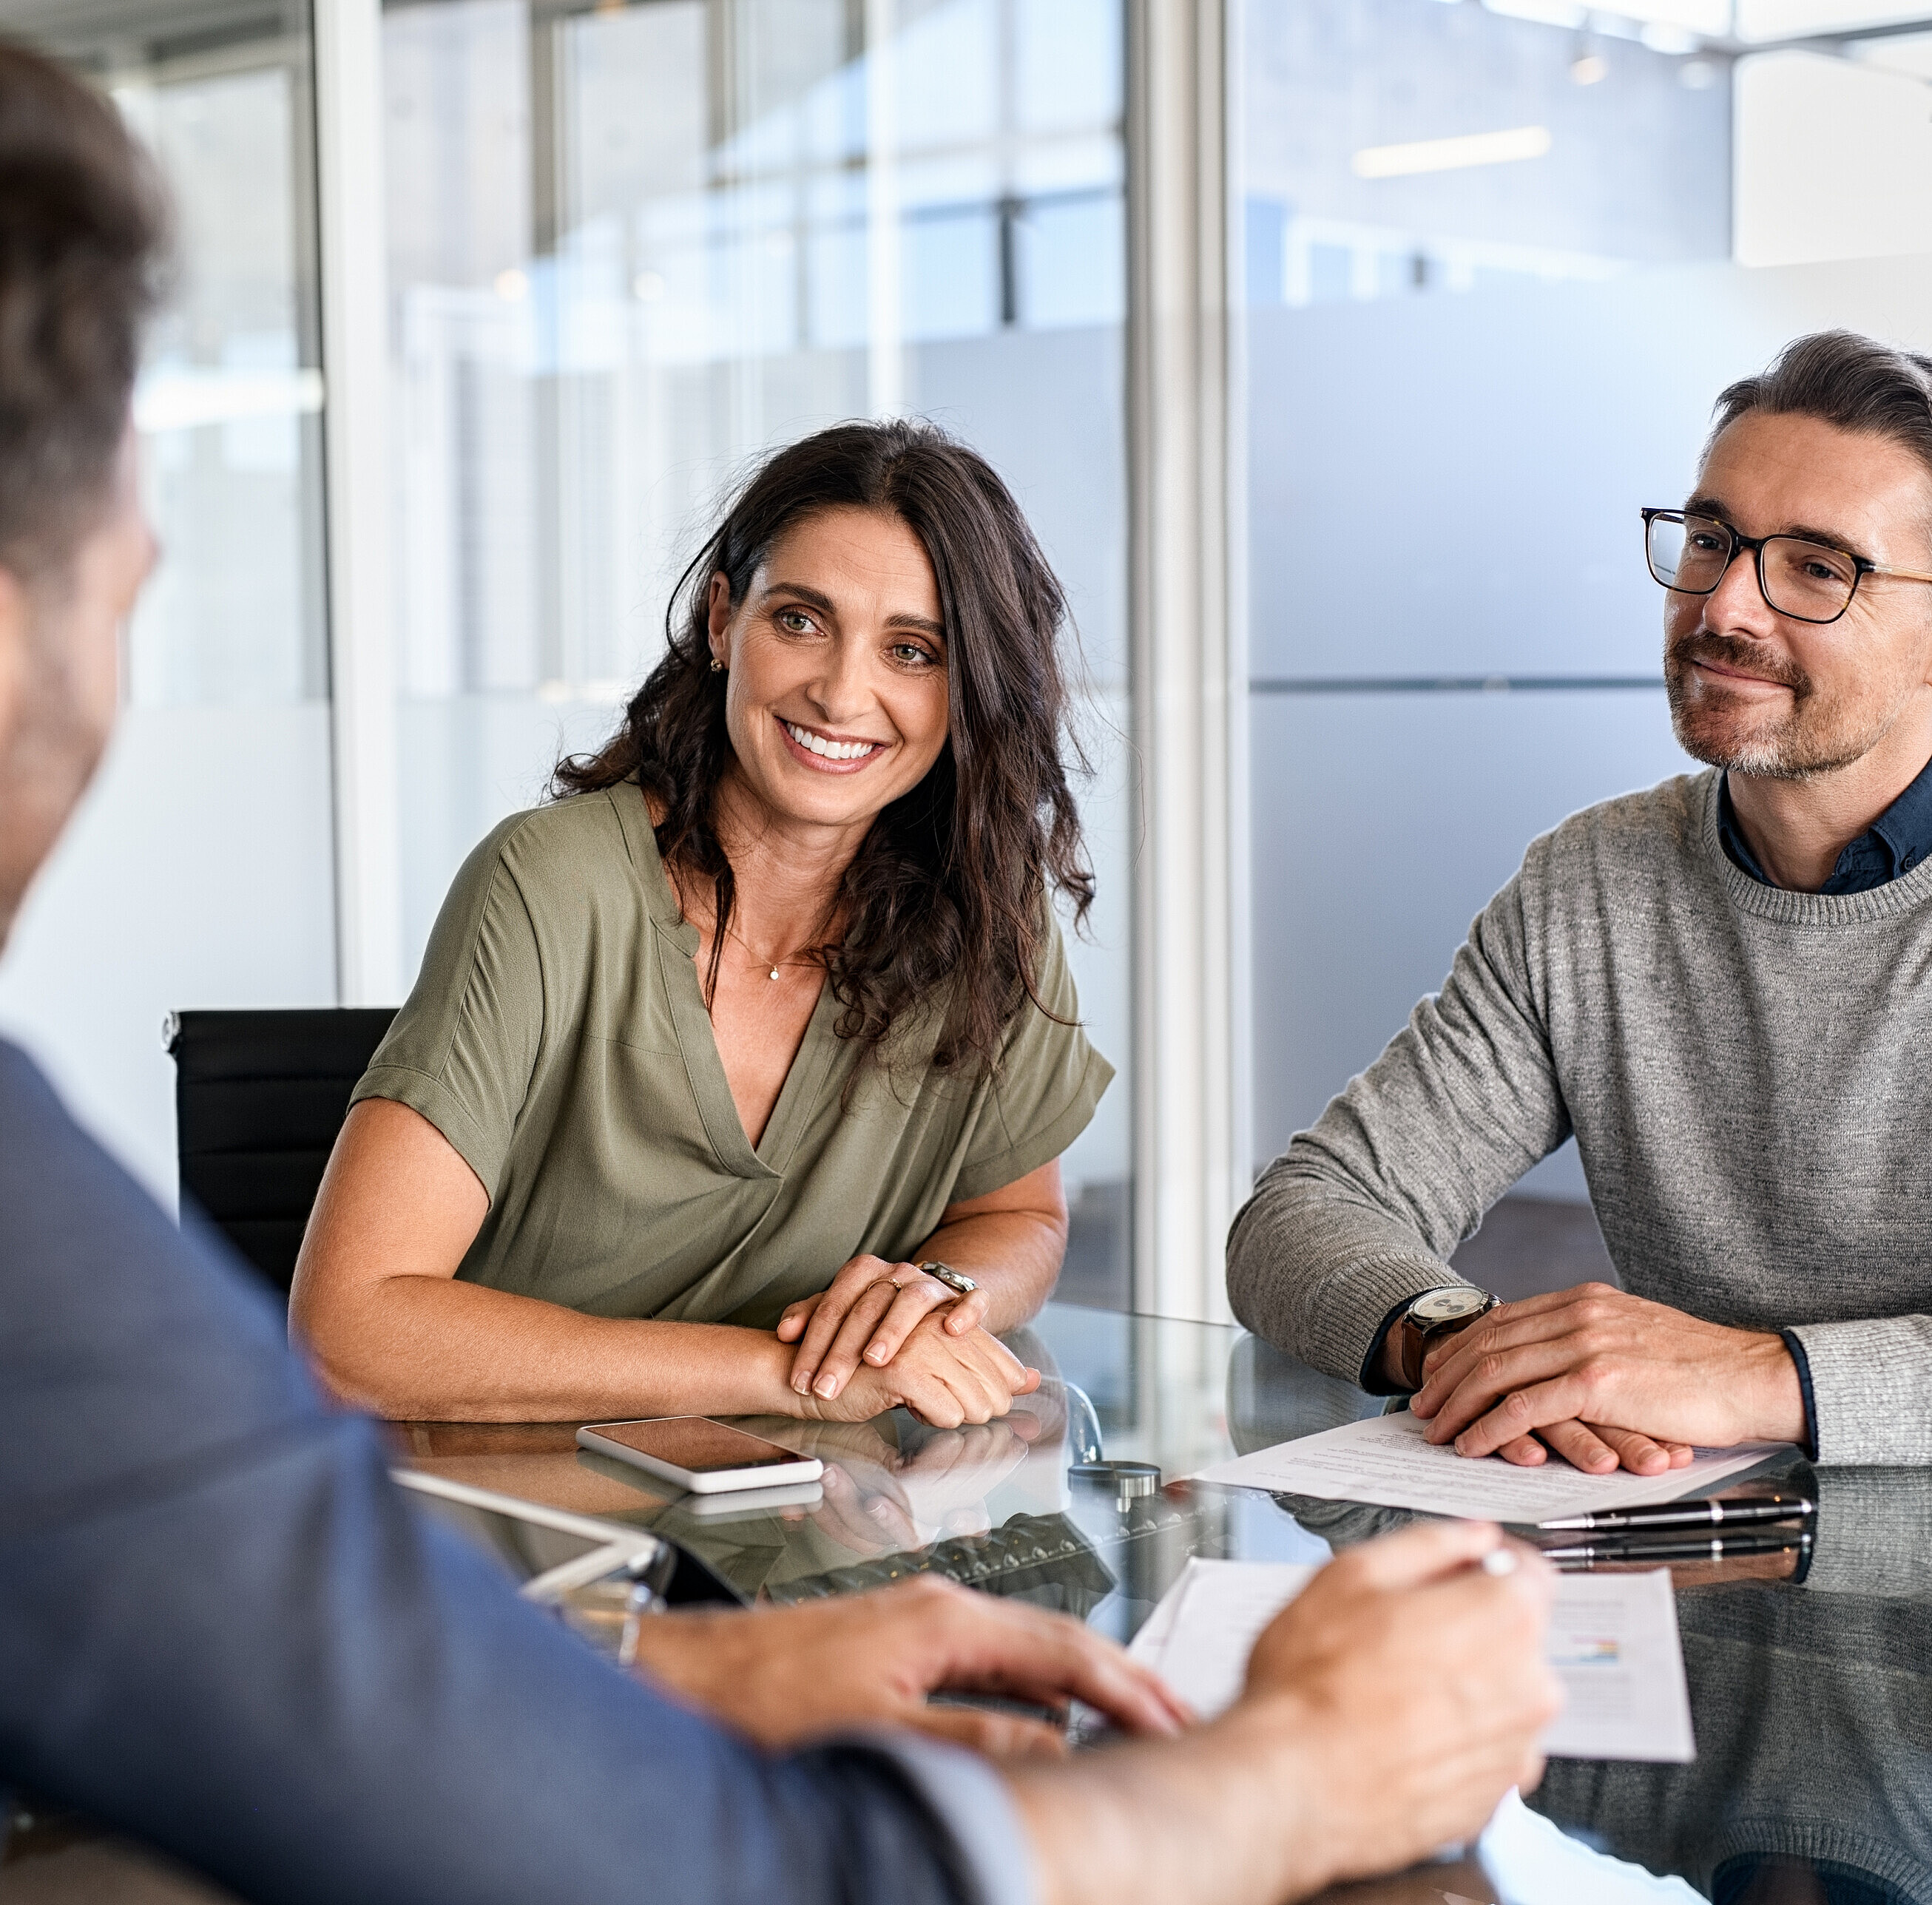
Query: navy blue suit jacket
x=222, y=1629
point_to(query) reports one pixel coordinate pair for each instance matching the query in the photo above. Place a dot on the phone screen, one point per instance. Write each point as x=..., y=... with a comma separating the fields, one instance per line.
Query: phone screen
x=696, y=1445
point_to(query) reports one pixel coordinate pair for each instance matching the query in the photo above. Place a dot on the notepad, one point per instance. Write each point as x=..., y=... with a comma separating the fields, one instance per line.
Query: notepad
x=1384, y=1460
x=1612, y=1641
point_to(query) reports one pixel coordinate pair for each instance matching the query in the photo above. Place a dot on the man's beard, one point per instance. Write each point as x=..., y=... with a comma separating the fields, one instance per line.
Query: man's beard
x=1818, y=734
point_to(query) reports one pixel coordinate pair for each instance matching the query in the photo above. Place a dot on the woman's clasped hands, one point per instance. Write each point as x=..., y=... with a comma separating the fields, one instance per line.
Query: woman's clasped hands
x=886, y=1335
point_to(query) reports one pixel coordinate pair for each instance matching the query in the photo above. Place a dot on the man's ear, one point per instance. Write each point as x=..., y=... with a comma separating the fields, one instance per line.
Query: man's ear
x=15, y=636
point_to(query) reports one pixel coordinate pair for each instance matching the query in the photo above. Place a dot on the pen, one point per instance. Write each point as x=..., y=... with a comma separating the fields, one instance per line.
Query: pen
x=1694, y=1514
x=1716, y=1547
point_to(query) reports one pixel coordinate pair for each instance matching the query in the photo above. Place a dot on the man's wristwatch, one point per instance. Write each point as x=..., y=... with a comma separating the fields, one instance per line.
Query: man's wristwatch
x=1435, y=1314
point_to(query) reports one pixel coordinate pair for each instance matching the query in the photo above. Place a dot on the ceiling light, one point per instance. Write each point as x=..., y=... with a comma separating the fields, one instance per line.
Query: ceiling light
x=1709, y=18
x=1450, y=154
x=1545, y=13
x=1586, y=69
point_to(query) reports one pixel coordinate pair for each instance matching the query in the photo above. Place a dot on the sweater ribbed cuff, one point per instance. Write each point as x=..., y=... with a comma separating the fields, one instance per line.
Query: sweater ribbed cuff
x=1355, y=1310
x=1371, y=1378
x=1873, y=1536
x=1871, y=1384
x=1794, y=1345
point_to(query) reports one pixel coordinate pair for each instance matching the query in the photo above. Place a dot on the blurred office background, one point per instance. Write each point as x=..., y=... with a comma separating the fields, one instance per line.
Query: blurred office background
x=1332, y=345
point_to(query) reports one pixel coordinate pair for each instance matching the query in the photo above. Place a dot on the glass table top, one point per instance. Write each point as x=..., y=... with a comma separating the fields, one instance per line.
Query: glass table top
x=1811, y=1700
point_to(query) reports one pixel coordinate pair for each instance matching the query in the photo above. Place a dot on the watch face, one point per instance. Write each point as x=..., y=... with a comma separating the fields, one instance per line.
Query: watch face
x=1449, y=1305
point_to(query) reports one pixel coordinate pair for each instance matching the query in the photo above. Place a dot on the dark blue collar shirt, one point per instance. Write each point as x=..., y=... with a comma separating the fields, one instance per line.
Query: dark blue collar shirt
x=1894, y=844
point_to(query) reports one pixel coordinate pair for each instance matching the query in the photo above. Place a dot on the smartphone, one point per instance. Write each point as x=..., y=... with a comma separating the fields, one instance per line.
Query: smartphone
x=706, y=1457
x=714, y=1510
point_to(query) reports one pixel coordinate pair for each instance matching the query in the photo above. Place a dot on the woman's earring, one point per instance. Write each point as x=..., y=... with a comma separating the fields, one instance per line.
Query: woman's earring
x=717, y=666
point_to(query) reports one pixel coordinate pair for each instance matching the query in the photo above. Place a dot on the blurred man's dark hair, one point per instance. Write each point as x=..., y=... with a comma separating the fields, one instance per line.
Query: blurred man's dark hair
x=82, y=235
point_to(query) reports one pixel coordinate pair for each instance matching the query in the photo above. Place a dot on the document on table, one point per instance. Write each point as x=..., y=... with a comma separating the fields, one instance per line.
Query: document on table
x=1612, y=1640
x=1530, y=1860
x=1614, y=1644
x=1200, y=1634
x=1384, y=1460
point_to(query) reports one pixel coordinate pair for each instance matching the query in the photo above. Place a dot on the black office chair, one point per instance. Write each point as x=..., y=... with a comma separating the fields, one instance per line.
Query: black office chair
x=259, y=1098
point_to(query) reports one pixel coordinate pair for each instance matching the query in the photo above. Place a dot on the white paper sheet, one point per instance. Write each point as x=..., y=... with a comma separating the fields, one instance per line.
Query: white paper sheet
x=1199, y=1643
x=1530, y=1862
x=1613, y=1642
x=1384, y=1460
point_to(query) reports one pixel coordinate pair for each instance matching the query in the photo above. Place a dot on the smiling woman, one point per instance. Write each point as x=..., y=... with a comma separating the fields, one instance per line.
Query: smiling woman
x=736, y=1079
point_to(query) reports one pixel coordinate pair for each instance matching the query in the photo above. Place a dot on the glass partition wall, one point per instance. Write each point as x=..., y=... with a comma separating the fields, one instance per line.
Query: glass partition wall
x=631, y=248
x=200, y=872
x=1500, y=257
x=1494, y=260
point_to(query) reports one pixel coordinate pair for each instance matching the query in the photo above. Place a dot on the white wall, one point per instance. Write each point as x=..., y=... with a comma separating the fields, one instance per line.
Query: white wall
x=197, y=873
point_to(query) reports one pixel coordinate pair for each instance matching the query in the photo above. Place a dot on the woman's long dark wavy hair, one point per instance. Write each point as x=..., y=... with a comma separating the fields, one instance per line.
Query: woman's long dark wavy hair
x=948, y=898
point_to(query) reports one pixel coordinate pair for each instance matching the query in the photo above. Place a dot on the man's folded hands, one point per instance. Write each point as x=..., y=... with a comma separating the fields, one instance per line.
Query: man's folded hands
x=1606, y=1379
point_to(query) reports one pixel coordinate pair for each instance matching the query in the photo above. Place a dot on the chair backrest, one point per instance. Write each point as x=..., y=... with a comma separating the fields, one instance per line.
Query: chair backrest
x=259, y=1099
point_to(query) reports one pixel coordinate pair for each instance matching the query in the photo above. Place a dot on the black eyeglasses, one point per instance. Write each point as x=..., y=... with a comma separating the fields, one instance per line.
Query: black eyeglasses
x=1808, y=581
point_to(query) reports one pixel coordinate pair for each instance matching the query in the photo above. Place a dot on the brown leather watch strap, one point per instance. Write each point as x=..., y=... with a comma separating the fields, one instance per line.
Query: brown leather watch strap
x=1415, y=1345
x=1408, y=1346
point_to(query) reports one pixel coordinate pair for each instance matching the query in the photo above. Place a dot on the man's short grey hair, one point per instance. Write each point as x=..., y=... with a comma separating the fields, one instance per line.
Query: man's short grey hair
x=1841, y=378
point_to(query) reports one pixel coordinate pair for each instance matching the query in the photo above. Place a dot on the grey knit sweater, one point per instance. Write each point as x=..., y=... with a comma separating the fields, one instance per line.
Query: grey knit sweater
x=1748, y=1072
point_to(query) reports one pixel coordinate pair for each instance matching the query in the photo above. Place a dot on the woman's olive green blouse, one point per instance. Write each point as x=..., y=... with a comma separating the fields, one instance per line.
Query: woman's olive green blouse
x=557, y=1037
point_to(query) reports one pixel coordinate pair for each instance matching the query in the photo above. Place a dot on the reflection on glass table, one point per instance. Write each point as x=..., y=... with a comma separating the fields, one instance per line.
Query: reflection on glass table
x=1811, y=1700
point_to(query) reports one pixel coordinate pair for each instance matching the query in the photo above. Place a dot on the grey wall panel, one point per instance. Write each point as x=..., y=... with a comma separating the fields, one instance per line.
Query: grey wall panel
x=1048, y=410
x=1449, y=484
x=1382, y=824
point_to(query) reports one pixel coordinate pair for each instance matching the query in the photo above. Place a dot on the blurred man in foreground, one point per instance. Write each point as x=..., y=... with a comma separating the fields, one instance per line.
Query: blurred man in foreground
x=222, y=1629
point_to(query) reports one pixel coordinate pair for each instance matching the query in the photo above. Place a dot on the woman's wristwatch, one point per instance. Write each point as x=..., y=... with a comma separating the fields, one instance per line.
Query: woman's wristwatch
x=1436, y=1313
x=955, y=1280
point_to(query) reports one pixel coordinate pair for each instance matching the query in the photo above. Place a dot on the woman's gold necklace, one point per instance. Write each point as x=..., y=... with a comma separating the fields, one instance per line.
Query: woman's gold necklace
x=791, y=958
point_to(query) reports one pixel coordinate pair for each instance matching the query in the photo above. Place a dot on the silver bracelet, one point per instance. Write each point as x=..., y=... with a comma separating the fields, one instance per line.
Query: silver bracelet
x=956, y=1280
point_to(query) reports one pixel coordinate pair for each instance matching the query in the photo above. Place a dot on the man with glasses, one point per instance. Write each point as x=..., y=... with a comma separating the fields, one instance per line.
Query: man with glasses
x=1722, y=987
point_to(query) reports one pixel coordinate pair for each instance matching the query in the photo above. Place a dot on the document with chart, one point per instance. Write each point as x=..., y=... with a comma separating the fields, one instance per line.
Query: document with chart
x=1613, y=1642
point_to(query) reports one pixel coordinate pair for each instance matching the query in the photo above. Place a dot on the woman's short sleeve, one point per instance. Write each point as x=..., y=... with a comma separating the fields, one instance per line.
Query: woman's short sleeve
x=1050, y=1082
x=462, y=1050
